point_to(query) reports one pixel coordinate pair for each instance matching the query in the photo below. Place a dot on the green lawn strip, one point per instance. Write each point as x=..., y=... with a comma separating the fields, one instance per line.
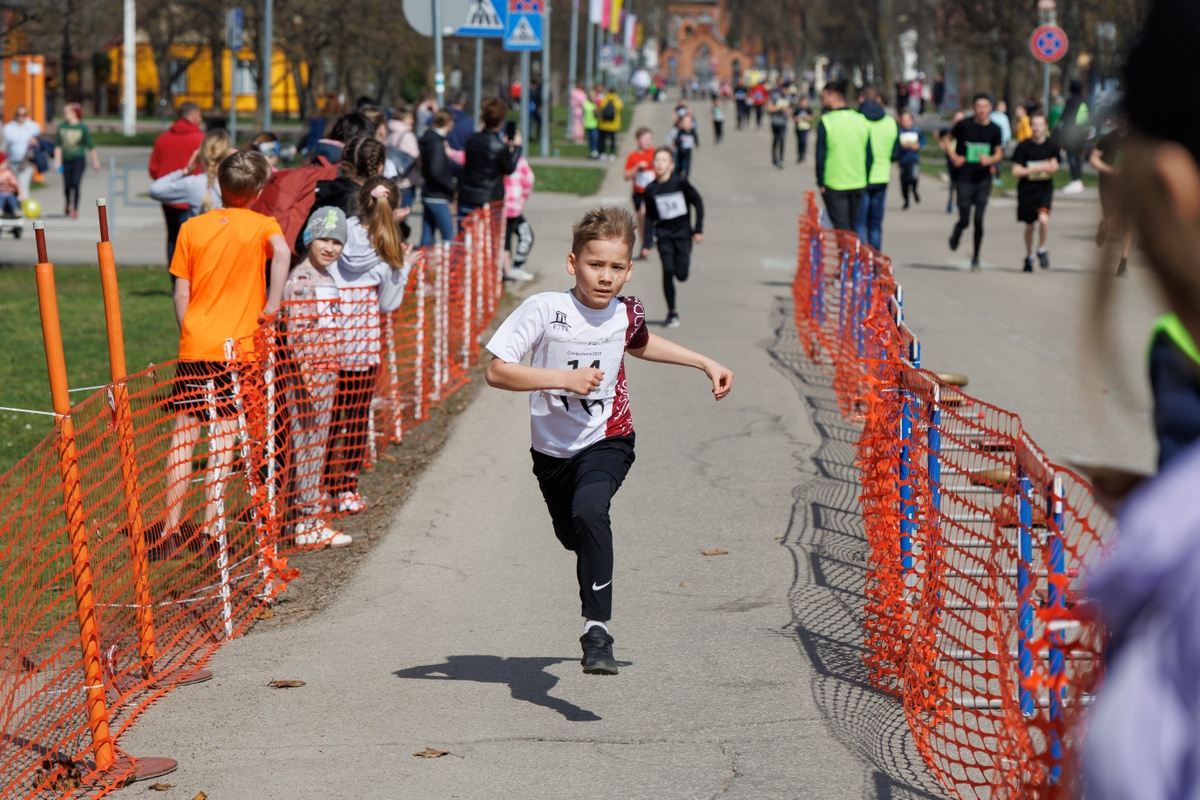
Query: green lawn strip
x=1008, y=183
x=560, y=136
x=150, y=336
x=571, y=180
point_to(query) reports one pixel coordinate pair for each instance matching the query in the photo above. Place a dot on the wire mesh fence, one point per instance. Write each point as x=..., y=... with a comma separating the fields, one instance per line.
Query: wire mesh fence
x=154, y=523
x=977, y=542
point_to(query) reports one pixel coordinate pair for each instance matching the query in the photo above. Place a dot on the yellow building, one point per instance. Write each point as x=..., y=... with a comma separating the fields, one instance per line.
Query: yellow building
x=196, y=82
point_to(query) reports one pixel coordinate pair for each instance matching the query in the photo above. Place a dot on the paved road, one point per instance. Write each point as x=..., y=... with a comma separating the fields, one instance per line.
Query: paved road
x=742, y=673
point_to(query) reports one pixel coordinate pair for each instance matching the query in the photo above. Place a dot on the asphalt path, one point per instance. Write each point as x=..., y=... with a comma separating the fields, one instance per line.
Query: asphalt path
x=741, y=673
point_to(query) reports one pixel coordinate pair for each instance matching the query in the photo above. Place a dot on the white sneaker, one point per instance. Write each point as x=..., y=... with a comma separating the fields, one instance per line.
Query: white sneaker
x=318, y=534
x=521, y=274
x=350, y=503
x=1074, y=187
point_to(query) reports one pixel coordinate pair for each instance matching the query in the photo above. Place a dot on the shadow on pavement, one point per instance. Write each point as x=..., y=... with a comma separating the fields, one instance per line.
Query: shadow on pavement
x=829, y=553
x=526, y=679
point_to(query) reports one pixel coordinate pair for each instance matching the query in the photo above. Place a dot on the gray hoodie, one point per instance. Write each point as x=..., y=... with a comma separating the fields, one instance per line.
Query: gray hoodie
x=366, y=285
x=179, y=187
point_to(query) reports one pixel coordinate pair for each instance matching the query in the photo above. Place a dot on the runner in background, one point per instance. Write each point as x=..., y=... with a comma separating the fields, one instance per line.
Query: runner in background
x=802, y=119
x=1106, y=159
x=739, y=99
x=977, y=149
x=910, y=140
x=758, y=99
x=843, y=156
x=718, y=119
x=639, y=168
x=670, y=200
x=1034, y=163
x=684, y=141
x=779, y=110
x=946, y=141
x=885, y=148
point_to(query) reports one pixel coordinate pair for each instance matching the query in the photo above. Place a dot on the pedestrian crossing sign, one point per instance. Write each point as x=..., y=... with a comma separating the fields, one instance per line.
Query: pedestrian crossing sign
x=484, y=19
x=523, y=27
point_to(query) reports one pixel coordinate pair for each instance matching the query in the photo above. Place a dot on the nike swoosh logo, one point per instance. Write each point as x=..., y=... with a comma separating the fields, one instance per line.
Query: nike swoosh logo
x=596, y=588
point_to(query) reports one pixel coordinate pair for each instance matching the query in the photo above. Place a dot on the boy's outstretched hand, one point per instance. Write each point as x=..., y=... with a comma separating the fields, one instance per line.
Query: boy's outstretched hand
x=721, y=377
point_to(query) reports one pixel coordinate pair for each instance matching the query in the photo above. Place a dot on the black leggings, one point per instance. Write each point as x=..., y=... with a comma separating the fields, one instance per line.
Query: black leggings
x=676, y=256
x=801, y=144
x=73, y=176
x=973, y=194
x=778, y=137
x=608, y=142
x=348, y=430
x=578, y=492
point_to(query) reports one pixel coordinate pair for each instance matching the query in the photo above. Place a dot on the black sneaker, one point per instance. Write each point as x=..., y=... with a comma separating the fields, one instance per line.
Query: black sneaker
x=598, y=656
x=672, y=320
x=955, y=238
x=1028, y=264
x=975, y=265
x=1044, y=260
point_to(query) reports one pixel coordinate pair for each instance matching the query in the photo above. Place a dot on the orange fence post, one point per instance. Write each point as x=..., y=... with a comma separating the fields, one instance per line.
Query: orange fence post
x=81, y=569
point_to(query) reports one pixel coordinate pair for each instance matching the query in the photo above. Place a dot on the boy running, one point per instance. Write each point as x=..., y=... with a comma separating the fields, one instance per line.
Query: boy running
x=581, y=427
x=684, y=140
x=639, y=168
x=669, y=203
x=1034, y=163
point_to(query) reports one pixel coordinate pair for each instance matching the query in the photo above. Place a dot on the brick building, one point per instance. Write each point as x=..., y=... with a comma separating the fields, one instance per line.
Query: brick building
x=696, y=46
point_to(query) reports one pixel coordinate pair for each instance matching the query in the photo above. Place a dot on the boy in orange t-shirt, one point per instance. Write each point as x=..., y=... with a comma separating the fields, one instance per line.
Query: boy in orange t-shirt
x=220, y=300
x=639, y=168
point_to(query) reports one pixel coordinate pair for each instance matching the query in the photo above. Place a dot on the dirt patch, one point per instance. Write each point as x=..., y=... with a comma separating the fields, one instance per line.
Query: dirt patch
x=385, y=485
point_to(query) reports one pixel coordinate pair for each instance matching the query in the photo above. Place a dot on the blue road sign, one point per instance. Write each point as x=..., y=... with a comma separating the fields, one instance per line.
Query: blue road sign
x=485, y=19
x=523, y=25
x=1048, y=43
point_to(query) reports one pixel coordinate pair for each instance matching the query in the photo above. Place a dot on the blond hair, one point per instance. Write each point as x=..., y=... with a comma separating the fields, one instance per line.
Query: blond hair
x=604, y=224
x=213, y=150
x=376, y=213
x=242, y=175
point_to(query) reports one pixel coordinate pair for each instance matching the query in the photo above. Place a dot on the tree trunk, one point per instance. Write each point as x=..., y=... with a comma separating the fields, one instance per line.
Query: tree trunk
x=216, y=51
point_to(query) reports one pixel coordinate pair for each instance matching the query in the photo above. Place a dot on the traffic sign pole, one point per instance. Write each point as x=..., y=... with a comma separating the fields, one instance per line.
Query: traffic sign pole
x=478, y=75
x=547, y=109
x=439, y=74
x=525, y=100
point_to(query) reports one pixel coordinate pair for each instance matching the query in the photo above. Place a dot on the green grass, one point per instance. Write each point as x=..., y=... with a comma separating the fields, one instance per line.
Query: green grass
x=150, y=336
x=572, y=180
x=1007, y=181
x=560, y=138
x=117, y=139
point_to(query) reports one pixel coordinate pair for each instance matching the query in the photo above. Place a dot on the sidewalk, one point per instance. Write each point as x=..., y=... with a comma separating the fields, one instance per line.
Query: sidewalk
x=460, y=633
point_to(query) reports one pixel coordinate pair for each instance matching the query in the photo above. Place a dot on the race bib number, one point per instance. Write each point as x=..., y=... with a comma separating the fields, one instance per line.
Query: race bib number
x=671, y=206
x=604, y=356
x=643, y=178
x=977, y=149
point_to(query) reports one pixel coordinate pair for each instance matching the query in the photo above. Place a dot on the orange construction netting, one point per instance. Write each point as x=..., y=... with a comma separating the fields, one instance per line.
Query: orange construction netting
x=136, y=539
x=977, y=543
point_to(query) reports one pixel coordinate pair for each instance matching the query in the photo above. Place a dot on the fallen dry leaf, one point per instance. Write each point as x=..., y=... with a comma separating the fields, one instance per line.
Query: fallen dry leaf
x=685, y=584
x=161, y=787
x=264, y=613
x=429, y=752
x=200, y=796
x=285, y=684
x=779, y=538
x=714, y=552
x=391, y=458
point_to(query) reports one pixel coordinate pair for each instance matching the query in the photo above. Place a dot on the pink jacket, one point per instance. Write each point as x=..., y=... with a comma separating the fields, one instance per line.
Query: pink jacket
x=517, y=188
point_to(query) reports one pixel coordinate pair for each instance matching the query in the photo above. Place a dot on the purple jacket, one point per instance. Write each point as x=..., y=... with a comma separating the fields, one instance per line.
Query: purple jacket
x=1143, y=734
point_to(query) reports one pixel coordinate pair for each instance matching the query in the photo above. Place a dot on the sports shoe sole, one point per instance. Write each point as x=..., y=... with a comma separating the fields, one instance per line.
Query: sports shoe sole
x=603, y=668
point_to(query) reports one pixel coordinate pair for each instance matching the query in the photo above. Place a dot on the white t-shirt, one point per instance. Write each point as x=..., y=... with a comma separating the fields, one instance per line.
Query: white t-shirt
x=562, y=333
x=19, y=135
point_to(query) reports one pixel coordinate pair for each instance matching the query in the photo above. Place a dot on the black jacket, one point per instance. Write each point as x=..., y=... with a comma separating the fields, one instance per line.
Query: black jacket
x=489, y=159
x=673, y=191
x=435, y=167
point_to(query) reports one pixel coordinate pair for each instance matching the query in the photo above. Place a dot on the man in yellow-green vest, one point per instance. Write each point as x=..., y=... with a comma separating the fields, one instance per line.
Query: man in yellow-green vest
x=885, y=148
x=1175, y=381
x=843, y=156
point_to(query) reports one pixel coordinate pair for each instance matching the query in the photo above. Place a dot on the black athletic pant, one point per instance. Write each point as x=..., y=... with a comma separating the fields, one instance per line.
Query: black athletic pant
x=676, y=257
x=778, y=138
x=578, y=492
x=683, y=162
x=971, y=193
x=175, y=218
x=909, y=173
x=718, y=130
x=608, y=142
x=842, y=208
x=72, y=172
x=758, y=116
x=348, y=431
x=801, y=145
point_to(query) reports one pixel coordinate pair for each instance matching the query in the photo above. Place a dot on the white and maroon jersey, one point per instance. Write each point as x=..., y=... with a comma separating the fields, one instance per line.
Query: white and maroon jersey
x=562, y=333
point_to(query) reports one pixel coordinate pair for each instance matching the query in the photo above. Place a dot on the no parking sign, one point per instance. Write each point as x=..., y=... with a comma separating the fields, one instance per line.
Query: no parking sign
x=1048, y=43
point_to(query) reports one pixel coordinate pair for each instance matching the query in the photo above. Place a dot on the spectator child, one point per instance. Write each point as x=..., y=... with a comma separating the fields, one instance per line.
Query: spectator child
x=591, y=125
x=220, y=297
x=10, y=192
x=610, y=123
x=267, y=143
x=311, y=311
x=517, y=188
x=371, y=275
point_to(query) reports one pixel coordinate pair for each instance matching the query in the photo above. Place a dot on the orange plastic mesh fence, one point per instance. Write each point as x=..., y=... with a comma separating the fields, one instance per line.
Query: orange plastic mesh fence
x=180, y=519
x=977, y=543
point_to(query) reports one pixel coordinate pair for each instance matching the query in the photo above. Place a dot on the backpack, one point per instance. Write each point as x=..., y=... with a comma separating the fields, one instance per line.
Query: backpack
x=289, y=195
x=609, y=112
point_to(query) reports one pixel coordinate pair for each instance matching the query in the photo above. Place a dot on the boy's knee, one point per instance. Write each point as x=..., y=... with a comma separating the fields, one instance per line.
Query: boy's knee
x=591, y=502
